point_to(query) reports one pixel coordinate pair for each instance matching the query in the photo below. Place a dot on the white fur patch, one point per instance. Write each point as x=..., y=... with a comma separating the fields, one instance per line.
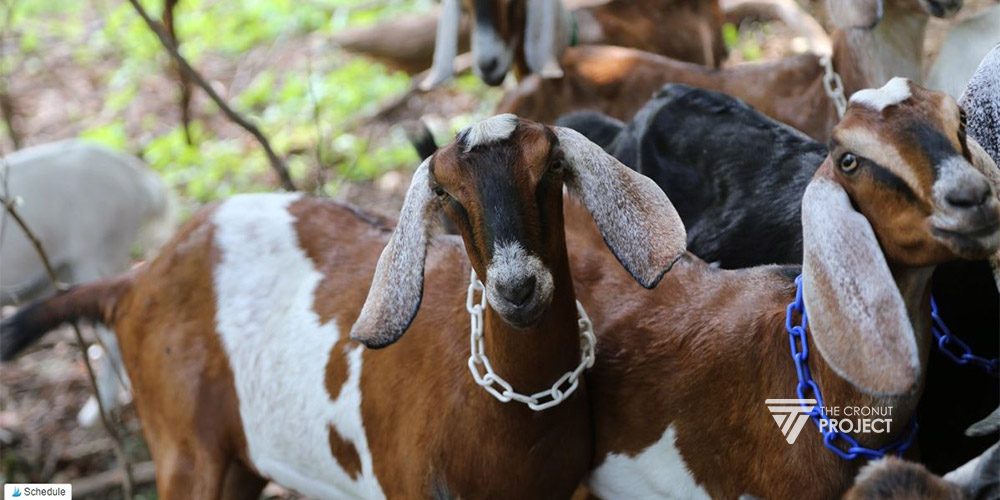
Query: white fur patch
x=892, y=93
x=488, y=131
x=657, y=472
x=278, y=352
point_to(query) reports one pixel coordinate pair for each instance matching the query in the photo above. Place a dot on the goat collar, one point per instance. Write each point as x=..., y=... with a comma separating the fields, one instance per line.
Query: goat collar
x=959, y=351
x=500, y=388
x=833, y=85
x=814, y=404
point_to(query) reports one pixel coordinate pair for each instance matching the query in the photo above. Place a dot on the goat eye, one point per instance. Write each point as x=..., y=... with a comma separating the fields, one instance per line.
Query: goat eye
x=558, y=165
x=848, y=162
x=440, y=192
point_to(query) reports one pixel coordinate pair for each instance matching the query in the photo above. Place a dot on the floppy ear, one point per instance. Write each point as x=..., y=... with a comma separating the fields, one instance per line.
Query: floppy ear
x=982, y=162
x=638, y=222
x=856, y=312
x=986, y=165
x=846, y=14
x=445, y=45
x=398, y=285
x=546, y=36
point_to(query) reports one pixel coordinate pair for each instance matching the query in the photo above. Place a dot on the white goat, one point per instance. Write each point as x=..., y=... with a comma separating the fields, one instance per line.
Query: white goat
x=88, y=206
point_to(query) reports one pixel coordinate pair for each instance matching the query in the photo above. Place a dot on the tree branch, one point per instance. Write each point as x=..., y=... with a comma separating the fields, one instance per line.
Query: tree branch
x=123, y=461
x=276, y=163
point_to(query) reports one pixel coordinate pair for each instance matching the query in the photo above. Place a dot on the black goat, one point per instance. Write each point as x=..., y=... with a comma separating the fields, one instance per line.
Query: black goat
x=737, y=178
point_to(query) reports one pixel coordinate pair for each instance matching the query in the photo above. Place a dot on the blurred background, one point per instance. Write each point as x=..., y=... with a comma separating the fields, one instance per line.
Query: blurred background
x=94, y=70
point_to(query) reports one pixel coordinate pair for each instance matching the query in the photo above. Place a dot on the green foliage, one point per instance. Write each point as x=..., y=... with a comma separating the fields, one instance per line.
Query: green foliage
x=308, y=98
x=744, y=39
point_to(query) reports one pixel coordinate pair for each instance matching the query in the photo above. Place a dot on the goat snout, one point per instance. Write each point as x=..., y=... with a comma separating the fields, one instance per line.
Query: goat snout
x=969, y=196
x=490, y=72
x=517, y=293
x=518, y=285
x=968, y=214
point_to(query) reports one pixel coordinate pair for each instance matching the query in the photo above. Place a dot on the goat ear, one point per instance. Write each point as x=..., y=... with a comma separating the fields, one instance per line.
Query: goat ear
x=638, y=222
x=986, y=165
x=982, y=161
x=445, y=45
x=856, y=312
x=546, y=36
x=846, y=14
x=398, y=285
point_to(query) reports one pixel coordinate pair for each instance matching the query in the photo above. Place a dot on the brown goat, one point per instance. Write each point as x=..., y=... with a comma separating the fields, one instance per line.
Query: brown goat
x=234, y=337
x=530, y=35
x=683, y=371
x=868, y=50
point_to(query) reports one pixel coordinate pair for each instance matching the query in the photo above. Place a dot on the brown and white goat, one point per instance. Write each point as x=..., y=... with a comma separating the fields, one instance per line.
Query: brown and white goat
x=683, y=371
x=531, y=35
x=870, y=47
x=235, y=337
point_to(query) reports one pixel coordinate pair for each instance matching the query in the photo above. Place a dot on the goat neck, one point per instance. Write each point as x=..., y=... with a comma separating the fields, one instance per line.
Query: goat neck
x=533, y=358
x=868, y=58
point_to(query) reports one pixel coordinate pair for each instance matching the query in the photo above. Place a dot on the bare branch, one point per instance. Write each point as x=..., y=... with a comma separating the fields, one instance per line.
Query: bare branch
x=276, y=163
x=123, y=461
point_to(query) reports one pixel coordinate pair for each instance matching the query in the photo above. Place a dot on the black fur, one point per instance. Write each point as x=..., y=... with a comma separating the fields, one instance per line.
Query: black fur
x=22, y=329
x=737, y=180
x=421, y=138
x=598, y=128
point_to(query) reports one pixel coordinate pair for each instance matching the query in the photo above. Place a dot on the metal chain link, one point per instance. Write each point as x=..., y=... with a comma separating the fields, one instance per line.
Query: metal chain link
x=833, y=85
x=959, y=351
x=807, y=389
x=500, y=388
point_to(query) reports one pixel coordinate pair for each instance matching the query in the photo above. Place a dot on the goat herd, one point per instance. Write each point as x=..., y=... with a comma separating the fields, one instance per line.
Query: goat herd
x=697, y=302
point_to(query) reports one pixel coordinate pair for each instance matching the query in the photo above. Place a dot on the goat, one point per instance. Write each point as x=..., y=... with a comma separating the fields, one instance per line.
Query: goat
x=894, y=479
x=962, y=50
x=869, y=48
x=88, y=206
x=683, y=371
x=715, y=156
x=233, y=335
x=891, y=478
x=531, y=35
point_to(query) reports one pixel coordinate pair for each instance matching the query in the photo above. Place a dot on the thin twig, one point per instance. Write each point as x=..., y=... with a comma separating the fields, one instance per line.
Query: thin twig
x=320, y=136
x=6, y=100
x=276, y=163
x=128, y=482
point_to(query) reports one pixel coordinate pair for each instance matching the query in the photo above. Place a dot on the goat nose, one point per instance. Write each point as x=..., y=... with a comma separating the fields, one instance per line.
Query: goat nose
x=971, y=195
x=487, y=66
x=518, y=293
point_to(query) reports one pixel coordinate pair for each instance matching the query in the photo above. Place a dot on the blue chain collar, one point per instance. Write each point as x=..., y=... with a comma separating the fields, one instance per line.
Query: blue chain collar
x=807, y=386
x=959, y=351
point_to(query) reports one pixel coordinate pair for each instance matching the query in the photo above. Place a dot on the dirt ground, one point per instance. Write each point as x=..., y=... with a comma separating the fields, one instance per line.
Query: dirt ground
x=42, y=392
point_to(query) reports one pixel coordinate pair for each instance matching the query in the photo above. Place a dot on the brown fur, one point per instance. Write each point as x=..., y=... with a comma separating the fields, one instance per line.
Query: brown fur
x=895, y=479
x=707, y=347
x=184, y=391
x=686, y=30
x=345, y=453
x=428, y=424
x=618, y=81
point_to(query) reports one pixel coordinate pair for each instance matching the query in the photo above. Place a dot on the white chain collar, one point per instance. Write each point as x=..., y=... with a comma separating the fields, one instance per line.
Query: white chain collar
x=833, y=86
x=500, y=388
